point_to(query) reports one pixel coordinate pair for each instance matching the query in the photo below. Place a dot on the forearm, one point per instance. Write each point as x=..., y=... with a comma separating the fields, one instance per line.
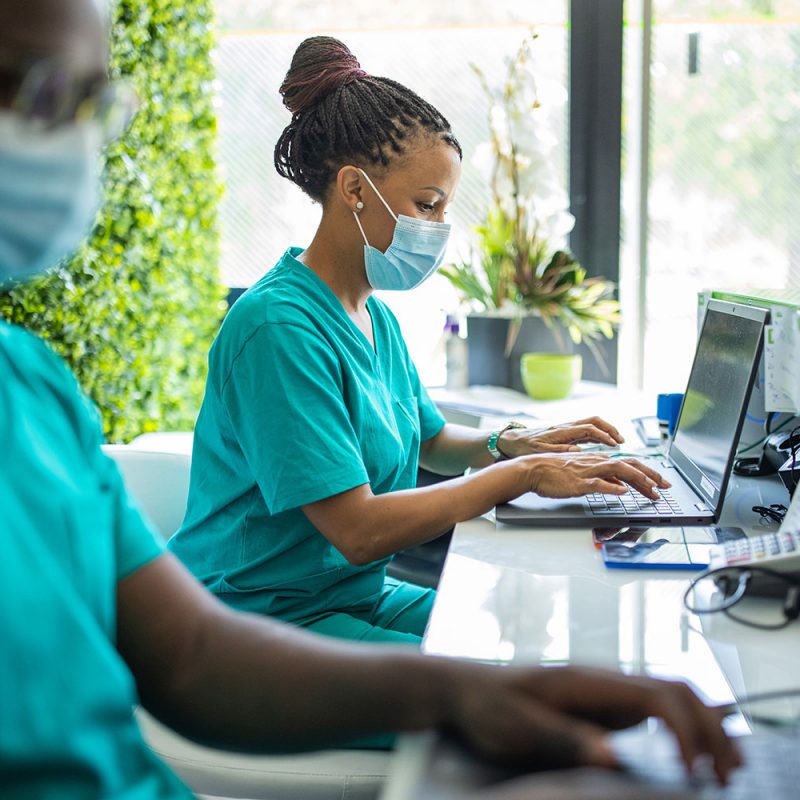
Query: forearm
x=247, y=682
x=456, y=448
x=382, y=525
x=257, y=685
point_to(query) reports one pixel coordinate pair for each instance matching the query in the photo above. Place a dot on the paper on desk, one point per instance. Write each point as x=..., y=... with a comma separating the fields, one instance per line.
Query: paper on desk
x=781, y=340
x=781, y=364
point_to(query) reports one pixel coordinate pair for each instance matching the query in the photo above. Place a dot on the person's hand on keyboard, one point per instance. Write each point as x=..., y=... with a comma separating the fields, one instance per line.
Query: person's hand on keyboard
x=561, y=717
x=574, y=475
x=562, y=438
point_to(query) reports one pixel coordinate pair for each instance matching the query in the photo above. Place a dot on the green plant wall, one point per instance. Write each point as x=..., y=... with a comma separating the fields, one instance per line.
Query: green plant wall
x=135, y=310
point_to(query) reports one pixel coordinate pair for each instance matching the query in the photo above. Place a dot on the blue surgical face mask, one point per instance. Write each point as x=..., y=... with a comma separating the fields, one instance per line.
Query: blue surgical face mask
x=49, y=193
x=415, y=253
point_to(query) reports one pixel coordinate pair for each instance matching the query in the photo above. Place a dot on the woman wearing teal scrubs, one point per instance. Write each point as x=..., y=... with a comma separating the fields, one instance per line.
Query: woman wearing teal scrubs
x=314, y=420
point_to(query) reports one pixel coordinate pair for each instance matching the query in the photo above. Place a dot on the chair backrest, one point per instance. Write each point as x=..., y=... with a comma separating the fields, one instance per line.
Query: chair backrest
x=158, y=482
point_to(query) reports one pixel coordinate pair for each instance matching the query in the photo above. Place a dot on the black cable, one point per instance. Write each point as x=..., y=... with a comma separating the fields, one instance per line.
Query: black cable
x=764, y=438
x=776, y=512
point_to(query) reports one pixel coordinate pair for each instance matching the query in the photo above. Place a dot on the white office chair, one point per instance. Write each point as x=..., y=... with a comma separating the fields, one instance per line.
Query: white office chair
x=165, y=442
x=159, y=482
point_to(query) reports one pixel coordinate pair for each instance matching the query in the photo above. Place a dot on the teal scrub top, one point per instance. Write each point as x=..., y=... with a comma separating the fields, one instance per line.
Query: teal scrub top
x=298, y=407
x=68, y=533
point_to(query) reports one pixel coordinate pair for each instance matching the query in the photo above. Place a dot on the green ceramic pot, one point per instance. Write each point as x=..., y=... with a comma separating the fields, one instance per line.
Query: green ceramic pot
x=550, y=376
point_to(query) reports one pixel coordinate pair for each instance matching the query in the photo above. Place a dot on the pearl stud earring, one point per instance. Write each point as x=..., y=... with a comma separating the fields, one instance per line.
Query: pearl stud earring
x=359, y=205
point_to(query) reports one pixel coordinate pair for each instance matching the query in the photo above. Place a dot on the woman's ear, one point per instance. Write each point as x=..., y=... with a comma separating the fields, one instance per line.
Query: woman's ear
x=348, y=187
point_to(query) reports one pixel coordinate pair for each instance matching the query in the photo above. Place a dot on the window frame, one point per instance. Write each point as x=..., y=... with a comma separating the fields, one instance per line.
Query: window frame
x=595, y=150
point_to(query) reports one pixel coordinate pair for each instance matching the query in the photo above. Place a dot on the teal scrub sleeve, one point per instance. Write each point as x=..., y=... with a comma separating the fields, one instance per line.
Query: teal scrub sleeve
x=284, y=397
x=136, y=541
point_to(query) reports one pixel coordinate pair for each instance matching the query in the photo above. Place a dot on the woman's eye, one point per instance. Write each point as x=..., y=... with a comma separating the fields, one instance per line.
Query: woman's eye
x=426, y=207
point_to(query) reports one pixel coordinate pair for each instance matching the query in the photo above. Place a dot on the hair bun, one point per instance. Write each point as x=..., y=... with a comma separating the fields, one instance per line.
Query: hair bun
x=320, y=65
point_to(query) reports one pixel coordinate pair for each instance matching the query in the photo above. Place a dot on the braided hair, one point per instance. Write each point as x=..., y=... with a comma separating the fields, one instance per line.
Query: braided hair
x=341, y=114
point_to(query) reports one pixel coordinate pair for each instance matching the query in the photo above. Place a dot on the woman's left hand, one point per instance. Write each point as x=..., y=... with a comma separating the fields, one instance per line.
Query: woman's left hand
x=559, y=438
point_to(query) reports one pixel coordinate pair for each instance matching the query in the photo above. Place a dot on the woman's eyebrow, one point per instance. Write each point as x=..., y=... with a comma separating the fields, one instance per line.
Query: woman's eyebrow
x=436, y=189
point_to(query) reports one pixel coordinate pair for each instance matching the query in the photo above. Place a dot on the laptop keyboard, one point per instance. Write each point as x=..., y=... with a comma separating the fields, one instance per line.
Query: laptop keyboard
x=771, y=770
x=634, y=504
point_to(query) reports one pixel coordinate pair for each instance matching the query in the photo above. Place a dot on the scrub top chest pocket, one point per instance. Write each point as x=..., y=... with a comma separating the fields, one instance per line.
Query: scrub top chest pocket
x=389, y=440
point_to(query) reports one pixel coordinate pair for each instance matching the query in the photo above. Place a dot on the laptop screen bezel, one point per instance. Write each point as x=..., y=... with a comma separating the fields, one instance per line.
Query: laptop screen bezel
x=702, y=484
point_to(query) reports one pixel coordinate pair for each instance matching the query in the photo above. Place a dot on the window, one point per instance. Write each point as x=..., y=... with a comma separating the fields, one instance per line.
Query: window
x=429, y=50
x=722, y=119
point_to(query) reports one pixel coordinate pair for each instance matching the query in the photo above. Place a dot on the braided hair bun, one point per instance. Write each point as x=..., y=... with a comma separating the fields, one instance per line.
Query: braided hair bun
x=320, y=65
x=342, y=115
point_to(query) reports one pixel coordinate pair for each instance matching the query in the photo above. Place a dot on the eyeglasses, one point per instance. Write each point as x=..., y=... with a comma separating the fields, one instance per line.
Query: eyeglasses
x=48, y=91
x=755, y=596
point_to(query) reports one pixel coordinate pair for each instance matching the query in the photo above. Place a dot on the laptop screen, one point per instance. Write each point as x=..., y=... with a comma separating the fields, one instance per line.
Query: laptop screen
x=718, y=388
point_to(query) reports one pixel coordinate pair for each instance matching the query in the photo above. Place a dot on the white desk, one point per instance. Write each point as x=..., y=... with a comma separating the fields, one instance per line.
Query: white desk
x=532, y=596
x=543, y=596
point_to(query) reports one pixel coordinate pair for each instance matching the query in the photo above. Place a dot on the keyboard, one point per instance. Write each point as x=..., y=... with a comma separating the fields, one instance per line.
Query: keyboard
x=634, y=504
x=771, y=769
x=778, y=551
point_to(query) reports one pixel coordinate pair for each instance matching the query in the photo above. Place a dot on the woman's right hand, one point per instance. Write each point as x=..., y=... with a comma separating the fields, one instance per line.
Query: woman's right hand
x=577, y=474
x=556, y=717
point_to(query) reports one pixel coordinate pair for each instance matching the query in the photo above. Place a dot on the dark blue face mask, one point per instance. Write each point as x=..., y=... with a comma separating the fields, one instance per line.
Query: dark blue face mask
x=416, y=251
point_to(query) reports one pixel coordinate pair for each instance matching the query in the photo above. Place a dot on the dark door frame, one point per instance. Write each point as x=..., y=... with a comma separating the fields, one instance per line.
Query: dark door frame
x=595, y=147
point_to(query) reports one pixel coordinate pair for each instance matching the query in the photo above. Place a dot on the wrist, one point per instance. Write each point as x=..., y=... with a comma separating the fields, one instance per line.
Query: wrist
x=460, y=687
x=496, y=438
x=428, y=680
x=527, y=471
x=506, y=441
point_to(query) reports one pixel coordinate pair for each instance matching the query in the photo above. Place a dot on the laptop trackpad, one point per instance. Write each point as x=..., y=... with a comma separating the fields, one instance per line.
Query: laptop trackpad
x=531, y=506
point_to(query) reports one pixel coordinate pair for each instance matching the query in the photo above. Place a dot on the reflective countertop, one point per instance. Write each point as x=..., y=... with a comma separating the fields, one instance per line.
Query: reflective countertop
x=544, y=596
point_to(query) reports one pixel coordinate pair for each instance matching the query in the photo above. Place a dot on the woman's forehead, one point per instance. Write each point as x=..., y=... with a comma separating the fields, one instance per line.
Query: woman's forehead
x=428, y=159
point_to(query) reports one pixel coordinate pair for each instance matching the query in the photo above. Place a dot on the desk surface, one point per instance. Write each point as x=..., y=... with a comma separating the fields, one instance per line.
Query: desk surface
x=543, y=596
x=535, y=595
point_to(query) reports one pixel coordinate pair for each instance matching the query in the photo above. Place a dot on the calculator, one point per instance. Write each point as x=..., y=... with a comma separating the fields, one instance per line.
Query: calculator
x=776, y=551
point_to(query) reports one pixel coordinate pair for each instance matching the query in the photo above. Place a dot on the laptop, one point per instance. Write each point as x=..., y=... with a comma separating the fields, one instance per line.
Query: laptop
x=699, y=460
x=771, y=767
x=431, y=767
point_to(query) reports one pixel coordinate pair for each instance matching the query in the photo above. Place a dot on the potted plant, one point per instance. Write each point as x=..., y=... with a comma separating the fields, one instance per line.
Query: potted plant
x=524, y=287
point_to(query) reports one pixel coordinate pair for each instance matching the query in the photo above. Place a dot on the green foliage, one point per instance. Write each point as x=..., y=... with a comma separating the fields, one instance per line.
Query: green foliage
x=492, y=285
x=135, y=310
x=515, y=270
x=521, y=274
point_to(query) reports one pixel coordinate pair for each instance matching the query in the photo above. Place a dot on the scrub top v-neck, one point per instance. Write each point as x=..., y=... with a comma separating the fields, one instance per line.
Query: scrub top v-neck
x=298, y=407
